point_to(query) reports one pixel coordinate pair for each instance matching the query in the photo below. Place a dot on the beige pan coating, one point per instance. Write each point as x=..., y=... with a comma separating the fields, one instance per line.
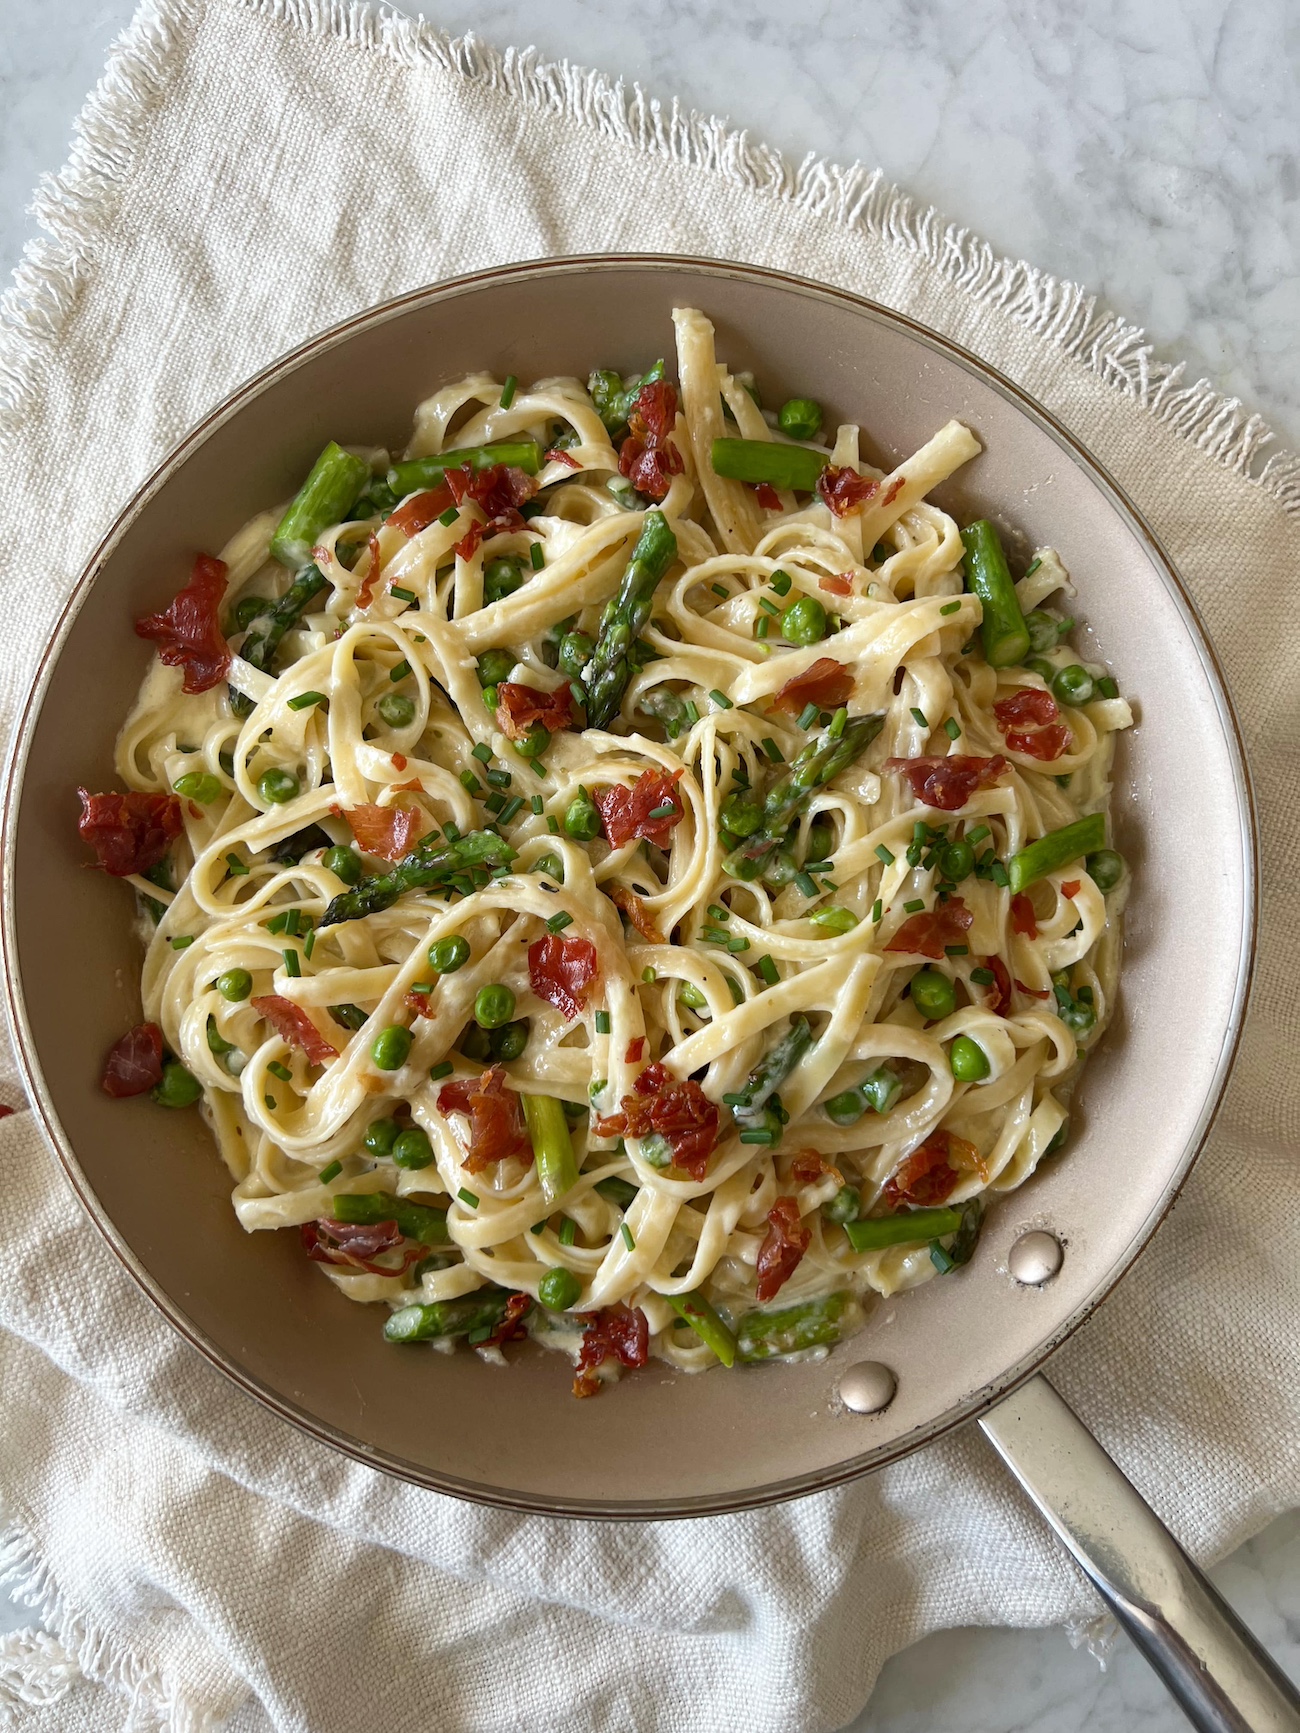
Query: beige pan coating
x=153, y=1182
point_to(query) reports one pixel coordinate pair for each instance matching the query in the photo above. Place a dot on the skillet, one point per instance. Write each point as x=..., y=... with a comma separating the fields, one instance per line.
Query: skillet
x=955, y=1350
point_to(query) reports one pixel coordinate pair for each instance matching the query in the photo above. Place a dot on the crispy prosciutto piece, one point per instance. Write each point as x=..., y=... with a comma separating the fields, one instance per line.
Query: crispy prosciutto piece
x=496, y=1120
x=785, y=1244
x=948, y=783
x=292, y=1024
x=837, y=584
x=614, y=1333
x=129, y=832
x=648, y=457
x=511, y=1326
x=387, y=831
x=1033, y=992
x=134, y=1063
x=1023, y=918
x=845, y=491
x=519, y=706
x=1072, y=888
x=1028, y=720
x=827, y=684
x=422, y=509
x=1044, y=744
x=552, y=455
x=809, y=1165
x=625, y=812
x=997, y=998
x=560, y=970
x=926, y=934
x=930, y=1173
x=681, y=1113
x=366, y=594
x=498, y=491
x=356, y=1245
x=187, y=633
x=768, y=497
x=639, y=916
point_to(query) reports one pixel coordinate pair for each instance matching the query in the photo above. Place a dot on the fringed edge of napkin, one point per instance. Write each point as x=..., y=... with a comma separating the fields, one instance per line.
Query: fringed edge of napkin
x=75, y=210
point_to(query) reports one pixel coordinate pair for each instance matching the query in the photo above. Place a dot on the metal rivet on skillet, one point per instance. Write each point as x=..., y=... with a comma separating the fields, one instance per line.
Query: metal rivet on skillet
x=1035, y=1258
x=868, y=1387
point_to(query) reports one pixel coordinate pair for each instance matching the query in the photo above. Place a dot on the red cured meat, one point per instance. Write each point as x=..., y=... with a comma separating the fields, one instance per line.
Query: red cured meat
x=365, y=595
x=827, y=684
x=928, y=1176
x=560, y=970
x=496, y=1119
x=838, y=584
x=948, y=783
x=998, y=996
x=781, y=1251
x=1045, y=744
x=625, y=812
x=637, y=913
x=768, y=497
x=647, y=457
x=926, y=934
x=511, y=1326
x=387, y=831
x=565, y=457
x=845, y=491
x=356, y=1245
x=292, y=1024
x=809, y=1166
x=129, y=832
x=1023, y=918
x=134, y=1063
x=188, y=634
x=681, y=1113
x=1028, y=719
x=422, y=509
x=615, y=1332
x=1072, y=888
x=635, y=1050
x=1033, y=992
x=519, y=706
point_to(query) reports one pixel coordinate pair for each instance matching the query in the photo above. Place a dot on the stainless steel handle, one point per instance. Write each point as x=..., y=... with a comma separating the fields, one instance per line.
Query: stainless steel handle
x=1219, y=1674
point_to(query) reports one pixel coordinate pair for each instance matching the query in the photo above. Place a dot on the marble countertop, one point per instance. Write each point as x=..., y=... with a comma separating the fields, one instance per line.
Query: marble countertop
x=1145, y=148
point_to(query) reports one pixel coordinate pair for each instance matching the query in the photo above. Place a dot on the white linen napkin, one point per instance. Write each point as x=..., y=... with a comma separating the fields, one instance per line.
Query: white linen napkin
x=248, y=172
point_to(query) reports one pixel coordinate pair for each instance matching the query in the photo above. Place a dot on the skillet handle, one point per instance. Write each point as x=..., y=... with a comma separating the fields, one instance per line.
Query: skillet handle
x=1220, y=1676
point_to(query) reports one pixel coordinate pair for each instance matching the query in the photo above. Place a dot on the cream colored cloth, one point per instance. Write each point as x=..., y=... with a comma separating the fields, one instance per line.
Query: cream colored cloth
x=248, y=173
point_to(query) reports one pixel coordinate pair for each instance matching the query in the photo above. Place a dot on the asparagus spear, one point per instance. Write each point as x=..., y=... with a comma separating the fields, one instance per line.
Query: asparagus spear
x=325, y=498
x=772, y=1070
x=1057, y=849
x=1004, y=632
x=552, y=1146
x=481, y=1310
x=264, y=636
x=765, y=460
x=614, y=397
x=417, y=1221
x=908, y=1228
x=422, y=869
x=607, y=673
x=962, y=1248
x=712, y=1330
x=422, y=472
x=814, y=1324
x=822, y=759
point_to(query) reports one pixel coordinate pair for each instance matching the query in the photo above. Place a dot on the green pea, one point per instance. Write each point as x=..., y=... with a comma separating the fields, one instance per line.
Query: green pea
x=177, y=1087
x=278, y=786
x=510, y=1040
x=821, y=842
x=494, y=666
x=344, y=863
x=780, y=869
x=1042, y=667
x=491, y=698
x=412, y=1148
x=742, y=812
x=381, y=1135
x=246, y=610
x=534, y=742
x=1046, y=630
x=933, y=994
x=397, y=710
x=846, y=1108
x=552, y=866
x=235, y=985
x=582, y=819
x=967, y=1060
x=1073, y=685
x=390, y=1047
x=502, y=578
x=804, y=621
x=800, y=417
x=493, y=1005
x=575, y=653
x=844, y=1206
x=957, y=861
x=1078, y=1018
x=475, y=1043
x=558, y=1289
x=449, y=954
x=881, y=1090
x=1105, y=868
x=198, y=785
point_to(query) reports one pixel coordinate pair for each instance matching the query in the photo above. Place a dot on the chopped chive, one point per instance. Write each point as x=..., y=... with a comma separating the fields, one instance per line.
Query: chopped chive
x=438, y=1071
x=769, y=607
x=277, y=923
x=692, y=712
x=720, y=699
x=665, y=811
x=759, y=1134
x=768, y=970
x=761, y=627
x=838, y=722
x=1062, y=781
x=185, y=940
x=483, y=753
x=740, y=775
x=333, y=1171
x=578, y=692
x=918, y=716
x=628, y=1241
x=1107, y=687
x=806, y=884
x=978, y=834
x=407, y=596
x=649, y=977
x=537, y=556
x=739, y=1099
x=914, y=907
x=956, y=950
x=568, y=1231
x=773, y=751
x=538, y=1228
x=552, y=824
x=983, y=977
x=235, y=867
x=305, y=700
x=718, y=913
x=602, y=1022
x=495, y=803
x=952, y=728
x=402, y=669
x=291, y=967
x=449, y=516
x=508, y=391
x=511, y=807
x=281, y=1071
x=291, y=923
x=820, y=866
x=421, y=988
x=714, y=935
x=536, y=802
x=537, y=767
x=310, y=945
x=470, y=783
x=780, y=582
x=950, y=608
x=467, y=1198
x=737, y=945
x=877, y=912
x=998, y=873
x=829, y=885
x=270, y=1102
x=807, y=716
x=883, y=854
x=1033, y=566
x=559, y=922
x=451, y=833
x=720, y=590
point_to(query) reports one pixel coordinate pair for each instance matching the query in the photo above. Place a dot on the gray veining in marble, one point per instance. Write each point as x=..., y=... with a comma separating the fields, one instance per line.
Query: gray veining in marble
x=1146, y=148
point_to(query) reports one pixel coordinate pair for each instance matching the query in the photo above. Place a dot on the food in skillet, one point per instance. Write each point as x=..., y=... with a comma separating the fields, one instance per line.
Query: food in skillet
x=627, y=872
